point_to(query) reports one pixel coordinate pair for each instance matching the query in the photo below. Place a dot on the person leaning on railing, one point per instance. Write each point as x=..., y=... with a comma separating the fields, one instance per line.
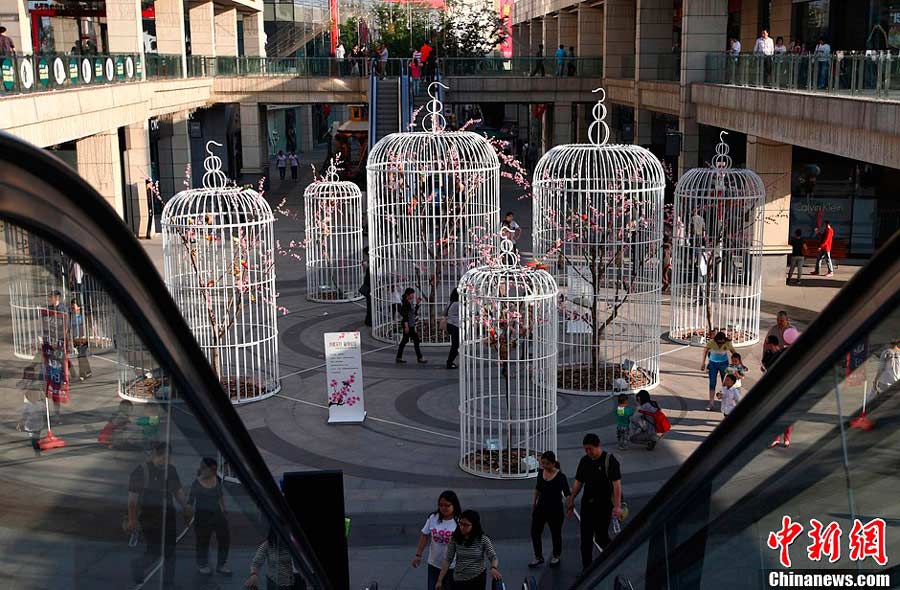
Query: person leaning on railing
x=7, y=47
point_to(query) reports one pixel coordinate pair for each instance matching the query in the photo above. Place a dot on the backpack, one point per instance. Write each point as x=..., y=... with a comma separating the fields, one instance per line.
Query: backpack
x=660, y=420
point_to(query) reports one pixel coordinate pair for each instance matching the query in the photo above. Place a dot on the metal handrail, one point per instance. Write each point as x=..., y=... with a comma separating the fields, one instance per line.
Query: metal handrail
x=43, y=195
x=872, y=292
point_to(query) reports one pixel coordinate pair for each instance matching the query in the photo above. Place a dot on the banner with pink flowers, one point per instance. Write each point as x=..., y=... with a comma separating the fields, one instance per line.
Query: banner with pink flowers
x=343, y=365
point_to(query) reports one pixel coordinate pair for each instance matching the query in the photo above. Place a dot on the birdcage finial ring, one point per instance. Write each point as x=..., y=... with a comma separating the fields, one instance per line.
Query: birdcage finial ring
x=213, y=177
x=435, y=121
x=598, y=131
x=508, y=255
x=331, y=173
x=722, y=159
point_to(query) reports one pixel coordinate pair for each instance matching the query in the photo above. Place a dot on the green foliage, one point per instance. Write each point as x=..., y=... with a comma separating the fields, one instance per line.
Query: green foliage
x=349, y=32
x=392, y=21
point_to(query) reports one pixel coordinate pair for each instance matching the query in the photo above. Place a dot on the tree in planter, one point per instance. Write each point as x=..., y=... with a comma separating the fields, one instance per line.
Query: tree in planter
x=717, y=252
x=598, y=212
x=471, y=28
x=219, y=268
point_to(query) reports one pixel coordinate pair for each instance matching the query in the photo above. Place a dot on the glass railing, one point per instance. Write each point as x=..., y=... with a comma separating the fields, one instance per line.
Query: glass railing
x=114, y=428
x=873, y=74
x=160, y=65
x=664, y=67
x=43, y=72
x=489, y=67
x=796, y=480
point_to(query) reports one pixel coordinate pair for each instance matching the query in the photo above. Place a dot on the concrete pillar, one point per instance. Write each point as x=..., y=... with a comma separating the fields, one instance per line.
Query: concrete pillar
x=14, y=16
x=583, y=119
x=524, y=49
x=551, y=36
x=749, y=24
x=780, y=21
x=643, y=127
x=618, y=38
x=226, y=31
x=562, y=123
x=567, y=29
x=704, y=26
x=137, y=170
x=590, y=31
x=100, y=165
x=537, y=35
x=203, y=28
x=254, y=36
x=124, y=30
x=653, y=40
x=65, y=33
x=305, y=134
x=174, y=156
x=254, y=139
x=773, y=162
x=170, y=29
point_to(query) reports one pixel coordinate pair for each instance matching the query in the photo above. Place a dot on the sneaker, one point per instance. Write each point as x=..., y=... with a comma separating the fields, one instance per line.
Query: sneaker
x=554, y=561
x=401, y=361
x=224, y=570
x=421, y=361
x=831, y=274
x=651, y=445
x=204, y=569
x=814, y=273
x=452, y=366
x=536, y=562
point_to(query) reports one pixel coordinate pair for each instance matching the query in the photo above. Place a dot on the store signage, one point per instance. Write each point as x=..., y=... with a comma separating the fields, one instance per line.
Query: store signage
x=110, y=69
x=73, y=70
x=26, y=74
x=98, y=69
x=59, y=71
x=129, y=67
x=7, y=73
x=43, y=72
x=87, y=71
x=120, y=68
x=344, y=380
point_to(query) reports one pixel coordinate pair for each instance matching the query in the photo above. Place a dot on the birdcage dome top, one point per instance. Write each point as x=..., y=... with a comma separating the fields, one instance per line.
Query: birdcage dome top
x=430, y=151
x=506, y=280
x=330, y=186
x=719, y=180
x=584, y=162
x=217, y=202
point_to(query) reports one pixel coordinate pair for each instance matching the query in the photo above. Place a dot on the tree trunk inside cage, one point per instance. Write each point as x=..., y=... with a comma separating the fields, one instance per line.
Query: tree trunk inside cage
x=219, y=266
x=140, y=378
x=334, y=224
x=508, y=317
x=433, y=198
x=717, y=231
x=597, y=223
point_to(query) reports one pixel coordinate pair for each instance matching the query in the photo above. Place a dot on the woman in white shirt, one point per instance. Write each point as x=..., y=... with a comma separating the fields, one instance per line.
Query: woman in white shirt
x=438, y=529
x=888, y=367
x=453, y=328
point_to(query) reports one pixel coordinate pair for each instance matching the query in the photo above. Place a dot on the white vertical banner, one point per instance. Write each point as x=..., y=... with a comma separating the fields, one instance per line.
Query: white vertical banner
x=344, y=382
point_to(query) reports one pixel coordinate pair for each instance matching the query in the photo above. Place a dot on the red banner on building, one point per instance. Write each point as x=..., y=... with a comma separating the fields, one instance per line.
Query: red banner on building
x=335, y=21
x=506, y=48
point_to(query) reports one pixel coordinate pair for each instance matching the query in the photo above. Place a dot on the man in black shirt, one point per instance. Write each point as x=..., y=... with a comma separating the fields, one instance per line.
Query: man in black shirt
x=600, y=476
x=408, y=315
x=152, y=487
x=796, y=243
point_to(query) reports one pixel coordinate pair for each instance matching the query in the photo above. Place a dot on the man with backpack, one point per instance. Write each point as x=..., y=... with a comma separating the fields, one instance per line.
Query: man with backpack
x=600, y=476
x=152, y=488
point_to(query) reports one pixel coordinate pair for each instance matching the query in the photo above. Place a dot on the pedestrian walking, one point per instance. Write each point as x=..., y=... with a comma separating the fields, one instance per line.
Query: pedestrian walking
x=281, y=162
x=453, y=328
x=153, y=490
x=366, y=288
x=796, y=244
x=208, y=501
x=427, y=57
x=279, y=565
x=825, y=250
x=340, y=53
x=295, y=165
x=439, y=528
x=151, y=206
x=539, y=61
x=600, y=477
x=79, y=337
x=470, y=547
x=782, y=324
x=764, y=49
x=560, y=61
x=547, y=508
x=771, y=351
x=511, y=230
x=888, y=374
x=642, y=425
x=383, y=56
x=823, y=61
x=571, y=66
x=717, y=352
x=408, y=316
x=624, y=412
x=730, y=395
x=415, y=74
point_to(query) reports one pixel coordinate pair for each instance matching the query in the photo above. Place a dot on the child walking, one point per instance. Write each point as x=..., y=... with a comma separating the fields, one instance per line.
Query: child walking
x=624, y=412
x=731, y=395
x=737, y=369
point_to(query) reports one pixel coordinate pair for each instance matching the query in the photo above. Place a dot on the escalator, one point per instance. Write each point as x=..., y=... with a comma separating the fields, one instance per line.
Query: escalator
x=113, y=426
x=726, y=517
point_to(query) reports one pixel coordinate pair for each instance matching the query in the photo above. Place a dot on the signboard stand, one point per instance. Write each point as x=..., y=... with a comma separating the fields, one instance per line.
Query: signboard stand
x=344, y=390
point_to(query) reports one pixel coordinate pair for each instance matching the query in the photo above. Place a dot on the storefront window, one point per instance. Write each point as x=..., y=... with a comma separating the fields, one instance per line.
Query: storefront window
x=810, y=22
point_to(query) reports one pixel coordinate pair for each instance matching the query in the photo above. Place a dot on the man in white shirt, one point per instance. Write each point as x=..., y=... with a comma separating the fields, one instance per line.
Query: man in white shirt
x=764, y=44
x=734, y=48
x=339, y=54
x=823, y=57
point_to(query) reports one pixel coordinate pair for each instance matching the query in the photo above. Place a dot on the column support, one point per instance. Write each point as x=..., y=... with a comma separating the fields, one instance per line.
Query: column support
x=773, y=162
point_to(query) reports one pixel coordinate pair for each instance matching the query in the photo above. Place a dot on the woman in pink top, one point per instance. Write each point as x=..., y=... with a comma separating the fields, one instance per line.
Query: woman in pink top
x=415, y=72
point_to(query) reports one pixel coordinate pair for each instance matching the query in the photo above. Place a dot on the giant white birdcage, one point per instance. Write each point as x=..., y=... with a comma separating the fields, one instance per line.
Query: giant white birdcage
x=433, y=196
x=507, y=383
x=717, y=237
x=139, y=376
x=598, y=213
x=219, y=266
x=334, y=225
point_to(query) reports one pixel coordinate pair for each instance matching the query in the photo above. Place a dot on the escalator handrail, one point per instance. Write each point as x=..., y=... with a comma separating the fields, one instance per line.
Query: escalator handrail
x=852, y=314
x=43, y=195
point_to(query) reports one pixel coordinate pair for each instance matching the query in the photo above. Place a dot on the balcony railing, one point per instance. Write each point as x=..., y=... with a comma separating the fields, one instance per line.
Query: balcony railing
x=871, y=74
x=57, y=71
x=489, y=67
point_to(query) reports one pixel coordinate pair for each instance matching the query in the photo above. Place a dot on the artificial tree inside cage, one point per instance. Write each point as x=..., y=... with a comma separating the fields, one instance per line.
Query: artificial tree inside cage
x=508, y=372
x=598, y=212
x=717, y=238
x=433, y=197
x=334, y=241
x=219, y=266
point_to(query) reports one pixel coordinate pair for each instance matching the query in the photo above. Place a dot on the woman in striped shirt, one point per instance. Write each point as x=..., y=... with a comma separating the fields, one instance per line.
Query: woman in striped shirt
x=471, y=548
